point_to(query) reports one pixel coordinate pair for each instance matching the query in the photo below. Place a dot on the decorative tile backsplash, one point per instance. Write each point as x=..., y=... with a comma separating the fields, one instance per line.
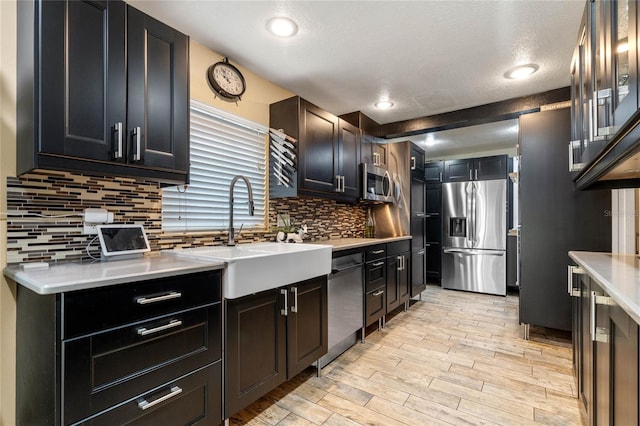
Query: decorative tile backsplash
x=66, y=196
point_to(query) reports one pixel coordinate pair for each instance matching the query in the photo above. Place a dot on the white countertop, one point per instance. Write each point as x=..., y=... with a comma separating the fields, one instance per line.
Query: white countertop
x=617, y=274
x=71, y=276
x=349, y=243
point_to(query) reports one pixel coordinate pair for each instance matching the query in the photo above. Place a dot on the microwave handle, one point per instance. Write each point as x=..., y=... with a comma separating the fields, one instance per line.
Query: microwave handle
x=387, y=177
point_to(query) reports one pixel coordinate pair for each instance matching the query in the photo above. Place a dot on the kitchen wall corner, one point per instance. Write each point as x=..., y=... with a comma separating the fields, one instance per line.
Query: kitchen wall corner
x=8, y=36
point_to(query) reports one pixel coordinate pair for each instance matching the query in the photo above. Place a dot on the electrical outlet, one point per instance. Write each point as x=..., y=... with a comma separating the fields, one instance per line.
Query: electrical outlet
x=90, y=229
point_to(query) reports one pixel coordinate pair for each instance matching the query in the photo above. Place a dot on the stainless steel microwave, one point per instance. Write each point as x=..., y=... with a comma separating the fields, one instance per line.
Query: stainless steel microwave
x=376, y=183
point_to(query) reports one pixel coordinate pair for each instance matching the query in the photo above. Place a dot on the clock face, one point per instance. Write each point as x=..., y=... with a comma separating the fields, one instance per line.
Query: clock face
x=227, y=80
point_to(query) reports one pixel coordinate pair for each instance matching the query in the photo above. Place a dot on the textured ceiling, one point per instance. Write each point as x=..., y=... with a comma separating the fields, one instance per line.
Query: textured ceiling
x=427, y=57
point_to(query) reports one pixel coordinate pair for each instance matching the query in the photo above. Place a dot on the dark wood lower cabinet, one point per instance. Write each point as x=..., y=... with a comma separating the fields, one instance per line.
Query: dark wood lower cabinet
x=255, y=357
x=606, y=361
x=156, y=362
x=272, y=336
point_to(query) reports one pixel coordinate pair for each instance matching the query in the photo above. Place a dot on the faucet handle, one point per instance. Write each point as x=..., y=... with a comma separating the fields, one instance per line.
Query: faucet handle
x=239, y=231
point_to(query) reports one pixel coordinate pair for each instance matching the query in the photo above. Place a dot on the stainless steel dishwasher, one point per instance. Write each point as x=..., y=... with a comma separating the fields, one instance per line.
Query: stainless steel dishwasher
x=346, y=303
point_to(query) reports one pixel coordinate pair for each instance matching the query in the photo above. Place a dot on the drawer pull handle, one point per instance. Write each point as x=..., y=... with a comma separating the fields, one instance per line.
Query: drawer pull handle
x=377, y=264
x=168, y=296
x=173, y=323
x=144, y=404
x=377, y=251
x=378, y=293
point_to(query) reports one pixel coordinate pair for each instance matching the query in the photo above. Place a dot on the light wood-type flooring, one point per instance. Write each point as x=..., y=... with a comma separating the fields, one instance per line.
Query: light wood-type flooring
x=454, y=358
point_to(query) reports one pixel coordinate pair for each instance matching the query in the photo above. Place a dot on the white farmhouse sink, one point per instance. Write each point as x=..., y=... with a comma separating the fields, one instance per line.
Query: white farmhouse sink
x=262, y=266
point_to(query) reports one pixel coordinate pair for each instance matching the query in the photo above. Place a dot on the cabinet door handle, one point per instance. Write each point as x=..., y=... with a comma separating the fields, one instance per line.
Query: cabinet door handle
x=440, y=176
x=476, y=174
x=592, y=316
x=377, y=251
x=343, y=184
x=117, y=128
x=376, y=159
x=137, y=143
x=377, y=264
x=413, y=163
x=470, y=174
x=144, y=404
x=378, y=293
x=285, y=310
x=294, y=307
x=168, y=296
x=573, y=166
x=337, y=183
x=571, y=270
x=399, y=259
x=171, y=324
x=421, y=252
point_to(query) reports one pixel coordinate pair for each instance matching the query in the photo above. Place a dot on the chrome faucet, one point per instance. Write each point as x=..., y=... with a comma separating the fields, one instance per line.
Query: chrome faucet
x=231, y=242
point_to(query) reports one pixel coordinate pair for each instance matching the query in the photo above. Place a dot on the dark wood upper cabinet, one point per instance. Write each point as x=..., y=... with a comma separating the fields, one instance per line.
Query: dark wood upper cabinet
x=433, y=171
x=485, y=168
x=104, y=89
x=417, y=161
x=328, y=151
x=158, y=88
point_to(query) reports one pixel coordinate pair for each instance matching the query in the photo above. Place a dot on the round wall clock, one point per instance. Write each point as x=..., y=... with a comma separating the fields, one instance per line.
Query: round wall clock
x=226, y=80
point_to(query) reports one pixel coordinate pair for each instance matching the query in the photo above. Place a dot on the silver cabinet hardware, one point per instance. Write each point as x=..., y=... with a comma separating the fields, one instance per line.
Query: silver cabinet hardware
x=470, y=174
x=440, y=176
x=377, y=264
x=343, y=184
x=413, y=163
x=377, y=251
x=294, y=307
x=378, y=293
x=573, y=166
x=137, y=139
x=421, y=252
x=376, y=159
x=144, y=404
x=117, y=128
x=171, y=324
x=399, y=259
x=476, y=174
x=168, y=296
x=571, y=270
x=285, y=311
x=592, y=316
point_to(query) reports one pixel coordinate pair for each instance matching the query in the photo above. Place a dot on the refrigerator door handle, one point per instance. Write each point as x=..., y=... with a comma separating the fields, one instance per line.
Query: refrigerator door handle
x=474, y=252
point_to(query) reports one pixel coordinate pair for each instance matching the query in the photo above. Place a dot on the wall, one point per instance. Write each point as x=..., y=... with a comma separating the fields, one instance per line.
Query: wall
x=7, y=168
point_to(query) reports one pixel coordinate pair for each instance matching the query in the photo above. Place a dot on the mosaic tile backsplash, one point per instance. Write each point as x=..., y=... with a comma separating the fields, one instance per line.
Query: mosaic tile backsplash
x=64, y=195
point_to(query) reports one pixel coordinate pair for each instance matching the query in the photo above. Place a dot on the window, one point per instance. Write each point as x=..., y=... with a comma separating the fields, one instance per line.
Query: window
x=222, y=146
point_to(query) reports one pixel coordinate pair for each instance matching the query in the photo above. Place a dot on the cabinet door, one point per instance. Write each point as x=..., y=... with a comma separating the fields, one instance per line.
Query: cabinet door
x=601, y=358
x=458, y=170
x=375, y=306
x=418, y=272
x=348, y=156
x=404, y=278
x=318, y=144
x=307, y=337
x=158, y=98
x=255, y=350
x=586, y=379
x=433, y=199
x=433, y=172
x=489, y=168
x=375, y=273
x=624, y=368
x=393, y=272
x=417, y=213
x=417, y=161
x=624, y=50
x=83, y=78
x=380, y=153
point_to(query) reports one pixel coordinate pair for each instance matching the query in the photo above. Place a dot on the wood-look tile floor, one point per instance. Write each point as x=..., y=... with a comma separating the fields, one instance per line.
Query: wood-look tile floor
x=453, y=358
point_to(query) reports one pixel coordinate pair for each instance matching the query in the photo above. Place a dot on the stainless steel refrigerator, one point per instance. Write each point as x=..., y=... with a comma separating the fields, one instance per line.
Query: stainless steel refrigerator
x=474, y=242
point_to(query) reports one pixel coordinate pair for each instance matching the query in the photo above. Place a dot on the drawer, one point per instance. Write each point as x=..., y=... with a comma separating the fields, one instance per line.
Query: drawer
x=195, y=399
x=398, y=247
x=107, y=368
x=377, y=251
x=375, y=274
x=94, y=310
x=375, y=305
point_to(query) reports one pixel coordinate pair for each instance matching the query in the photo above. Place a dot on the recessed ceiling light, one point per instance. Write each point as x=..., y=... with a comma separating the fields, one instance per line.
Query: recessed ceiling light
x=384, y=104
x=282, y=27
x=521, y=71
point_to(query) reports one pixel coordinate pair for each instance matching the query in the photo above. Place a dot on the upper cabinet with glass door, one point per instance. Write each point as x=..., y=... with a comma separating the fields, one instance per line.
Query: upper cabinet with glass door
x=604, y=75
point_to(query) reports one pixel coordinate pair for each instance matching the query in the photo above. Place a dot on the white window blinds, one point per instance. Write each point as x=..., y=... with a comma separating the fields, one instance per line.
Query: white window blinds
x=222, y=146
